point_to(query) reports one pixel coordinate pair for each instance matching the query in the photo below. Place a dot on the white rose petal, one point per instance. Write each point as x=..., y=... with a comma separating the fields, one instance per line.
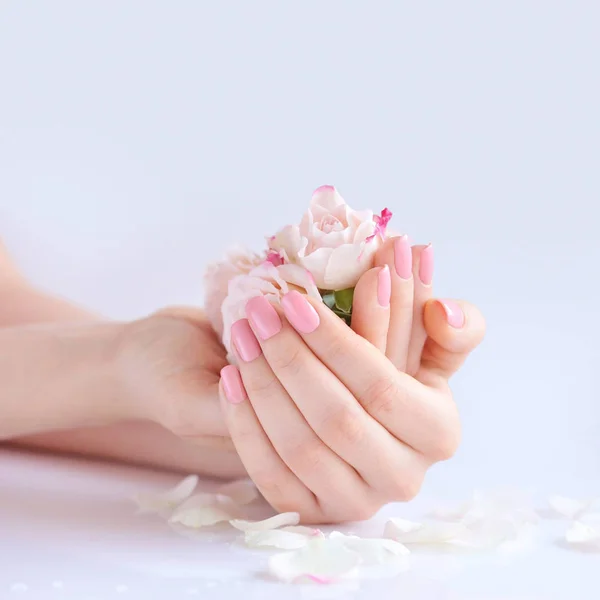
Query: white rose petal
x=280, y=520
x=322, y=561
x=241, y=492
x=164, y=502
x=373, y=551
x=286, y=538
x=409, y=532
x=204, y=510
x=582, y=533
x=569, y=508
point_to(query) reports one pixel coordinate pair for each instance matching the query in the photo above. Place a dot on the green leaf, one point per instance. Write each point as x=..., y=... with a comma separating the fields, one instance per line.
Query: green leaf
x=328, y=299
x=343, y=300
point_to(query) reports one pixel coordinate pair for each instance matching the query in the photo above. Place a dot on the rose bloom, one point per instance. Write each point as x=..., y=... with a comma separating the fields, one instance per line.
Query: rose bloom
x=334, y=242
x=270, y=279
x=216, y=281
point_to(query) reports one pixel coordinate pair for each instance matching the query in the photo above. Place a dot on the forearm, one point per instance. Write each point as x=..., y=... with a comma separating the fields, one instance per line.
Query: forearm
x=146, y=444
x=58, y=376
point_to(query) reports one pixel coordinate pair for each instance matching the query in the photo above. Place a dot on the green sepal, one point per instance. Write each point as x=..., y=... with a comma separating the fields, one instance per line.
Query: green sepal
x=344, y=299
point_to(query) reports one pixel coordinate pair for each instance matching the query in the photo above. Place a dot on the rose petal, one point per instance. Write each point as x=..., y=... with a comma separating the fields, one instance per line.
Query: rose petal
x=582, y=533
x=161, y=502
x=373, y=551
x=569, y=507
x=409, y=532
x=284, y=538
x=322, y=561
x=289, y=518
x=242, y=491
x=203, y=510
x=346, y=264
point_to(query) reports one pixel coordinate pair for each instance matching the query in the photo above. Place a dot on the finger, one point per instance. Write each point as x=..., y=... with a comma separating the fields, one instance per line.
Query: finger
x=371, y=306
x=455, y=328
x=422, y=277
x=315, y=464
x=328, y=407
x=279, y=486
x=401, y=405
x=396, y=253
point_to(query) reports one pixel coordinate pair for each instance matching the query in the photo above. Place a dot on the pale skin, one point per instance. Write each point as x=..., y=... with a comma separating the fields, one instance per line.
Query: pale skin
x=330, y=421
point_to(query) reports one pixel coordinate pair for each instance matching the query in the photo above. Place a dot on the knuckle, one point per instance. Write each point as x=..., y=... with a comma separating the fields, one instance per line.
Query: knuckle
x=308, y=455
x=261, y=386
x=288, y=361
x=446, y=444
x=345, y=425
x=406, y=487
x=382, y=397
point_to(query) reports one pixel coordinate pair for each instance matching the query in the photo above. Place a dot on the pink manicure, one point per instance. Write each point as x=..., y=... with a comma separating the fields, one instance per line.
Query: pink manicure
x=263, y=317
x=454, y=314
x=426, y=265
x=403, y=257
x=234, y=389
x=384, y=287
x=245, y=341
x=299, y=312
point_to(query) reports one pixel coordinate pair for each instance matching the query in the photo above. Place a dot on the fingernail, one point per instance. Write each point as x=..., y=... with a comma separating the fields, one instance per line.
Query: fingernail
x=384, y=287
x=426, y=265
x=299, y=312
x=403, y=257
x=245, y=341
x=263, y=317
x=454, y=314
x=234, y=389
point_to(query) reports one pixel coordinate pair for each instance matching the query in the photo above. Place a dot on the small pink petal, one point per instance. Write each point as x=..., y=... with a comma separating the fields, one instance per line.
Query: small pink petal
x=274, y=258
x=381, y=223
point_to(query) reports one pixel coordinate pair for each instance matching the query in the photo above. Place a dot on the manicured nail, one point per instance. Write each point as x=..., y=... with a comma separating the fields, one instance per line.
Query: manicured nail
x=384, y=287
x=263, y=317
x=403, y=257
x=245, y=341
x=299, y=312
x=234, y=389
x=454, y=314
x=426, y=265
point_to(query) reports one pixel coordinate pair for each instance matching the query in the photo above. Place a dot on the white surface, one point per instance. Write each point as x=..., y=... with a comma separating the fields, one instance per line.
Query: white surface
x=132, y=132
x=68, y=521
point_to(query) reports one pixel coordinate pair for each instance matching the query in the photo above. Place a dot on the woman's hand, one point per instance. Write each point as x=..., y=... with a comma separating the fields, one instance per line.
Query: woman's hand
x=324, y=423
x=169, y=366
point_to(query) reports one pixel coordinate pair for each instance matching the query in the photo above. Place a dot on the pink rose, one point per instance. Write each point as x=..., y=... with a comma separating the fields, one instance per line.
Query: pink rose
x=335, y=243
x=267, y=279
x=216, y=281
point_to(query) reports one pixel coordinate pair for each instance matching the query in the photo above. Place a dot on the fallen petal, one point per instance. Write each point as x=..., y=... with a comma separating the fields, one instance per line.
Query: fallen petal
x=289, y=518
x=409, y=532
x=161, y=502
x=581, y=533
x=241, y=492
x=276, y=538
x=203, y=515
x=322, y=560
x=569, y=507
x=373, y=551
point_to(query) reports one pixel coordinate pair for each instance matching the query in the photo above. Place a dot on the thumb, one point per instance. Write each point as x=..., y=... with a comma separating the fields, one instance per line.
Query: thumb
x=454, y=329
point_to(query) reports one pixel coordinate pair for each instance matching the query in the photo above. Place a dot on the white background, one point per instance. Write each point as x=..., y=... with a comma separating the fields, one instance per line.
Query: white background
x=139, y=139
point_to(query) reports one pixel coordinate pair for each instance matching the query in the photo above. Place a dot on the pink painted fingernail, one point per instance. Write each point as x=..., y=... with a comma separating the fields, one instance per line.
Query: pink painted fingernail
x=454, y=314
x=245, y=341
x=299, y=312
x=384, y=287
x=403, y=257
x=263, y=317
x=234, y=389
x=426, y=265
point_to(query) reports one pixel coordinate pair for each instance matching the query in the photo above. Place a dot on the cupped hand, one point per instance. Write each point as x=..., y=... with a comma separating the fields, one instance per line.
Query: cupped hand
x=325, y=423
x=169, y=366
